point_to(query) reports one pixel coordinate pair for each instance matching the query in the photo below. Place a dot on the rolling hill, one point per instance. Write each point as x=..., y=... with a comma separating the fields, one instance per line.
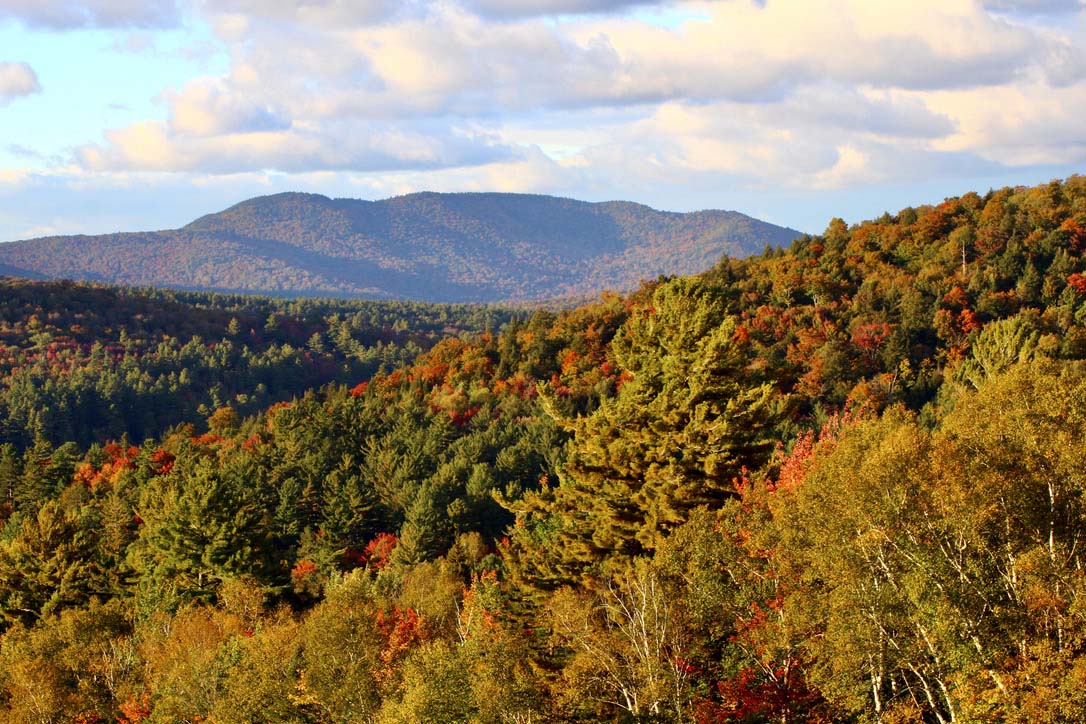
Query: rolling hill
x=467, y=247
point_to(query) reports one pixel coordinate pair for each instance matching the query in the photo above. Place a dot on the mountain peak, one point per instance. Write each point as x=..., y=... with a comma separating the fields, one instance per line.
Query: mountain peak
x=473, y=246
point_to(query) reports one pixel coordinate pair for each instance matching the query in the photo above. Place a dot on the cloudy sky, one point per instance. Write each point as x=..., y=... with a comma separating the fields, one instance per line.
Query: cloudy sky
x=144, y=114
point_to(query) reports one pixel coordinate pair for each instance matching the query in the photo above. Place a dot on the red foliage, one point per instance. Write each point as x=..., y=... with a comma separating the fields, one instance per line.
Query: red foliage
x=401, y=630
x=1077, y=282
x=118, y=454
x=379, y=549
x=519, y=385
x=461, y=418
x=360, y=389
x=753, y=695
x=872, y=336
x=118, y=459
x=162, y=461
x=793, y=467
x=135, y=710
x=955, y=329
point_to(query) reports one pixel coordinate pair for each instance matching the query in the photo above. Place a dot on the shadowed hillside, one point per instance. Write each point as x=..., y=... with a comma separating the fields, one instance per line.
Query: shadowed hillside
x=426, y=246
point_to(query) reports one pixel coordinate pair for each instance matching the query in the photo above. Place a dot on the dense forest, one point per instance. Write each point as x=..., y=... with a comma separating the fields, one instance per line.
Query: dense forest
x=470, y=247
x=839, y=482
x=90, y=364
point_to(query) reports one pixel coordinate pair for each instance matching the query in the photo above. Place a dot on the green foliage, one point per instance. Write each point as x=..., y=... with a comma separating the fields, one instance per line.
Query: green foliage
x=577, y=517
x=86, y=364
x=48, y=563
x=199, y=529
x=1001, y=345
x=682, y=427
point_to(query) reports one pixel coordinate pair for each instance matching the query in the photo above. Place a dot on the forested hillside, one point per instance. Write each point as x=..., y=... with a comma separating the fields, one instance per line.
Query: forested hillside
x=86, y=364
x=836, y=482
x=426, y=246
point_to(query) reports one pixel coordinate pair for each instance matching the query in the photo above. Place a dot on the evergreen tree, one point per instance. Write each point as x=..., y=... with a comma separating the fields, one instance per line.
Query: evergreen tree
x=199, y=530
x=684, y=424
x=48, y=565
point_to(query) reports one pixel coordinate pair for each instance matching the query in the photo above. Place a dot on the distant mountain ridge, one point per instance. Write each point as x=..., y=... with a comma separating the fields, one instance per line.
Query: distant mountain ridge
x=459, y=247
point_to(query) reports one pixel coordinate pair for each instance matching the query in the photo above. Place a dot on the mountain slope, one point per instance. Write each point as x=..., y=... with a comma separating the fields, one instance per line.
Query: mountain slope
x=426, y=246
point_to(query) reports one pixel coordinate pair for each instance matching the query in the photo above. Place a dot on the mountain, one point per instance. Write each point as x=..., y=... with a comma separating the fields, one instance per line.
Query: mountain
x=468, y=247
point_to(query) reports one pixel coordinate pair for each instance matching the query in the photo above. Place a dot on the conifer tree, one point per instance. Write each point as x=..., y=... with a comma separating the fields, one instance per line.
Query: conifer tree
x=685, y=422
x=10, y=472
x=48, y=564
x=200, y=530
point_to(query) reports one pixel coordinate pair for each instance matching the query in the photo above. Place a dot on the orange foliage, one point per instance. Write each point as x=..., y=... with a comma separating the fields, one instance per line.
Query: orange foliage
x=135, y=710
x=402, y=630
x=162, y=461
x=956, y=298
x=379, y=549
x=118, y=460
x=1076, y=231
x=1077, y=282
x=794, y=466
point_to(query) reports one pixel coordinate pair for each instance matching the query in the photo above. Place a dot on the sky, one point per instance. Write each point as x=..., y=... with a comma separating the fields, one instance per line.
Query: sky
x=127, y=115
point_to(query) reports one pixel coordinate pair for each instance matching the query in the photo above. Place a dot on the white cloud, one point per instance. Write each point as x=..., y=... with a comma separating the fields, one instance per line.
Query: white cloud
x=12, y=176
x=1025, y=124
x=523, y=8
x=206, y=107
x=17, y=80
x=70, y=14
x=1036, y=6
x=151, y=146
x=325, y=13
x=576, y=95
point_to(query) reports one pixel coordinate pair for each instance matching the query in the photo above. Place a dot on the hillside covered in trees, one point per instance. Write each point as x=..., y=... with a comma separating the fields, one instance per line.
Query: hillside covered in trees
x=839, y=482
x=481, y=247
x=89, y=364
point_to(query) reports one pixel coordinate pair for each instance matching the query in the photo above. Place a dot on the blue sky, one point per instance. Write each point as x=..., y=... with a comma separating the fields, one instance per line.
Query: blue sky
x=145, y=114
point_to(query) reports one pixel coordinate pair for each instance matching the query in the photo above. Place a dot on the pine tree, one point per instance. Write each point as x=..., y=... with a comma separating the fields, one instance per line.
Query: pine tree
x=199, y=530
x=10, y=473
x=48, y=564
x=685, y=422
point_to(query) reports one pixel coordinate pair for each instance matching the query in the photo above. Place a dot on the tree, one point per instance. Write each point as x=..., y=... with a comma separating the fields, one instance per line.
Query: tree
x=1000, y=345
x=629, y=647
x=200, y=529
x=262, y=684
x=49, y=564
x=341, y=647
x=685, y=422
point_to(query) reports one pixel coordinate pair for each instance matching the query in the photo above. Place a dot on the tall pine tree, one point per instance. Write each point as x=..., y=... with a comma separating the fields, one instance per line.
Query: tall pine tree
x=685, y=421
